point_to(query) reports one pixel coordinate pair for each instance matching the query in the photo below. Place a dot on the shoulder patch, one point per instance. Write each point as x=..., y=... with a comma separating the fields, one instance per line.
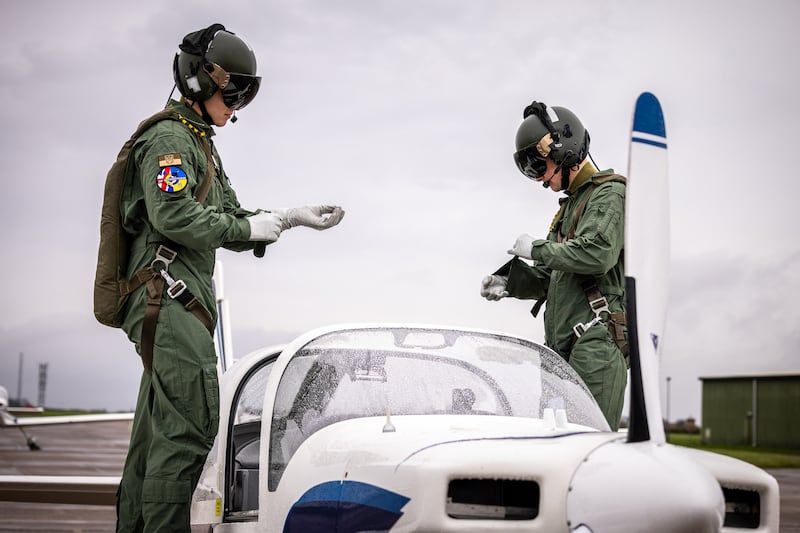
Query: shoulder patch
x=172, y=179
x=168, y=160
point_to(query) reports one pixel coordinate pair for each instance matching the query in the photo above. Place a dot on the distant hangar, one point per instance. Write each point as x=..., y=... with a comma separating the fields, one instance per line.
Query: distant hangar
x=759, y=410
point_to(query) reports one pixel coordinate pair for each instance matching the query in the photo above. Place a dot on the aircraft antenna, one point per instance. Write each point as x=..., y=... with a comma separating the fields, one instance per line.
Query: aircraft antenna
x=42, y=383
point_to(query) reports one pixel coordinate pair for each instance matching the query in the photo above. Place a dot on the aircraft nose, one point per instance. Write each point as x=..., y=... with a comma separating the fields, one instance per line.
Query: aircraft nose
x=626, y=487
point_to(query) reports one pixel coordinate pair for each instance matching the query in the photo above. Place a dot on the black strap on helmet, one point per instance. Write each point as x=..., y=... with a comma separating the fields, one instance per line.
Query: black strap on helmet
x=539, y=110
x=196, y=43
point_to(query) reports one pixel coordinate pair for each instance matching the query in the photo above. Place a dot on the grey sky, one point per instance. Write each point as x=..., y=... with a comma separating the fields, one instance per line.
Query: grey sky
x=404, y=112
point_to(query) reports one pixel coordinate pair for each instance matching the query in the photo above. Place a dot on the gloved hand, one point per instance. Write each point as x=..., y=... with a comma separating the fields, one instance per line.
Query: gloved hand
x=319, y=217
x=265, y=226
x=523, y=246
x=493, y=287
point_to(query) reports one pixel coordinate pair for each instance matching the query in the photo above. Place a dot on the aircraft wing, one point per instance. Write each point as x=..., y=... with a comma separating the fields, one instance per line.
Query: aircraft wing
x=81, y=490
x=8, y=420
x=25, y=409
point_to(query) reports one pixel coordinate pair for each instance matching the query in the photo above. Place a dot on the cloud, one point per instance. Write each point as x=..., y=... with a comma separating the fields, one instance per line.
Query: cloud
x=88, y=366
x=730, y=315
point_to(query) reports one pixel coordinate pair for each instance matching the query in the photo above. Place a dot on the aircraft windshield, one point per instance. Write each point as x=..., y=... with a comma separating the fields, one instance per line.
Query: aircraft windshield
x=401, y=371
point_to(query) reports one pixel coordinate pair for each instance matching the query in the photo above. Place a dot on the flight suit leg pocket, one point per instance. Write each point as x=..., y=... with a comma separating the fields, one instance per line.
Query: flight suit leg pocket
x=166, y=491
x=211, y=393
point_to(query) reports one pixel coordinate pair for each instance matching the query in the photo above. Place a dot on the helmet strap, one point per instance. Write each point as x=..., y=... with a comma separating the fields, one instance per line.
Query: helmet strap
x=203, y=111
x=205, y=114
x=565, y=172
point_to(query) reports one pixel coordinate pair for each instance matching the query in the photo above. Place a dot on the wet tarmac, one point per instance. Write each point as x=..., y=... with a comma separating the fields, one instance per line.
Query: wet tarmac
x=99, y=450
x=96, y=449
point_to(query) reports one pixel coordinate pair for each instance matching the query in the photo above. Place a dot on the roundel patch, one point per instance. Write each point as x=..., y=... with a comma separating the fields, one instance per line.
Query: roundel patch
x=172, y=179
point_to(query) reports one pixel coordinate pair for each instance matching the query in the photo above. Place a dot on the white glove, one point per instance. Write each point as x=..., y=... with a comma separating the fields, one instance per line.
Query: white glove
x=318, y=217
x=265, y=227
x=523, y=246
x=493, y=287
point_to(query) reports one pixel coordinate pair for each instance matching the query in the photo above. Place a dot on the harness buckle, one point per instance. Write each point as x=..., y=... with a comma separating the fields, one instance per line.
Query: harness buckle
x=176, y=288
x=163, y=255
x=580, y=329
x=598, y=306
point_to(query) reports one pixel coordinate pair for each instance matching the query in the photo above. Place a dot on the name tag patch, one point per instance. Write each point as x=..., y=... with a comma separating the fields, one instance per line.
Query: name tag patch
x=169, y=160
x=172, y=179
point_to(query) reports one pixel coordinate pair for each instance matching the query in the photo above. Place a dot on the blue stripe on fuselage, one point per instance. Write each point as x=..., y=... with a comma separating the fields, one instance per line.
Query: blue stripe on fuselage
x=344, y=507
x=355, y=492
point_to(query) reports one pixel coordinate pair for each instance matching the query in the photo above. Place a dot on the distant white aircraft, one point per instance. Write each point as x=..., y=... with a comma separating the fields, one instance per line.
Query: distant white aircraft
x=402, y=427
x=9, y=420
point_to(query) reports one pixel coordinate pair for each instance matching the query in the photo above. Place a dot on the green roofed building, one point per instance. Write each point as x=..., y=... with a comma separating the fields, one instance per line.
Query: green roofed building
x=760, y=410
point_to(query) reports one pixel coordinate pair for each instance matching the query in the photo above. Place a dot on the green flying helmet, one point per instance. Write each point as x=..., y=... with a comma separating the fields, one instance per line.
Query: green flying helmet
x=214, y=58
x=549, y=132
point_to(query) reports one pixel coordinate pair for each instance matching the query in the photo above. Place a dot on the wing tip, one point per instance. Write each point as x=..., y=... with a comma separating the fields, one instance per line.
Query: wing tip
x=648, y=117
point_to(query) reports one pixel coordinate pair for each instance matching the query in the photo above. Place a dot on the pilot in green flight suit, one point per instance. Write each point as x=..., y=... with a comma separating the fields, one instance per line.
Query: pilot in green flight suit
x=169, y=221
x=579, y=268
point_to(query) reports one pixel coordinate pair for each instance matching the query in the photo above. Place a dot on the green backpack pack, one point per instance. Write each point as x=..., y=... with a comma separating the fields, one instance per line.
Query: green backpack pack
x=111, y=285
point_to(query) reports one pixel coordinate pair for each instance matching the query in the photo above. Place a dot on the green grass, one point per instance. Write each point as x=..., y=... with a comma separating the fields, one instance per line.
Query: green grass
x=760, y=457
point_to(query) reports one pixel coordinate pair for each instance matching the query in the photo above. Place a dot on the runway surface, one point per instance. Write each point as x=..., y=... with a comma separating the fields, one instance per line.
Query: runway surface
x=99, y=449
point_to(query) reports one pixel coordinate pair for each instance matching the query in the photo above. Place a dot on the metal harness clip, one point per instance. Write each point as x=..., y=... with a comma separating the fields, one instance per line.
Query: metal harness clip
x=175, y=288
x=599, y=306
x=166, y=256
x=163, y=255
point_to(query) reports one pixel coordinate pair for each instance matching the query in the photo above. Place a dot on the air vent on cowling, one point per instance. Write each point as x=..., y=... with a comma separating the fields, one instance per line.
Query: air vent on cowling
x=493, y=499
x=742, y=508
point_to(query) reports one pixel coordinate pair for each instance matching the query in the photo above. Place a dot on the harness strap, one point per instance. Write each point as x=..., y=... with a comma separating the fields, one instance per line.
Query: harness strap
x=615, y=322
x=140, y=278
x=155, y=284
x=576, y=216
x=155, y=289
x=193, y=305
x=205, y=185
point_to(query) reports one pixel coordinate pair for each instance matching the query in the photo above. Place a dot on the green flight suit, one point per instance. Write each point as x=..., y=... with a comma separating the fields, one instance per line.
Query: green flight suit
x=596, y=250
x=178, y=405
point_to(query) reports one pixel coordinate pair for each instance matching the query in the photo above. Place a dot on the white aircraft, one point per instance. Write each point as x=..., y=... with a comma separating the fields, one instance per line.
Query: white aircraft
x=415, y=428
x=381, y=427
x=8, y=420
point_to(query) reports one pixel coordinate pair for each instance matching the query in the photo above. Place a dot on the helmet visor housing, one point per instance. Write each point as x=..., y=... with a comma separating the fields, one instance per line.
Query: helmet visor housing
x=240, y=90
x=530, y=162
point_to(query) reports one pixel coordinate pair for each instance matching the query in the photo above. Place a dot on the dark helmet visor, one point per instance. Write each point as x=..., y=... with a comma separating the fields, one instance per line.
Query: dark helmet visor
x=530, y=163
x=240, y=90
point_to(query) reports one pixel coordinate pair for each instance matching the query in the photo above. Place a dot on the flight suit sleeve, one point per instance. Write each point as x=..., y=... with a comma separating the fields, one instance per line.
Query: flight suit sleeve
x=169, y=183
x=599, y=237
x=233, y=208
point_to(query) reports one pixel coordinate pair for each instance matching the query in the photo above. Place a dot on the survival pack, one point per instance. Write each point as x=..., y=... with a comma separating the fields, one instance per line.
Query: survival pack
x=111, y=285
